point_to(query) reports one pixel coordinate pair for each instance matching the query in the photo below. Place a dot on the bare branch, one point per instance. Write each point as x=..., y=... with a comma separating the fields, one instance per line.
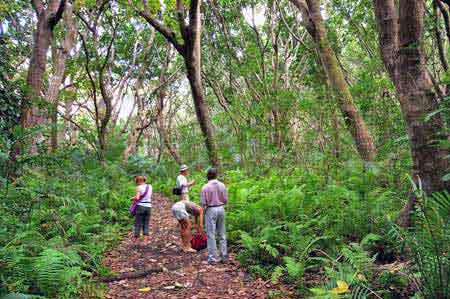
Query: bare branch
x=91, y=79
x=86, y=23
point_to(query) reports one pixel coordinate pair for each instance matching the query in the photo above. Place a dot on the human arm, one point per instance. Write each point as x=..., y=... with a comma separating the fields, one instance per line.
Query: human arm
x=137, y=196
x=199, y=220
x=225, y=195
x=191, y=183
x=203, y=198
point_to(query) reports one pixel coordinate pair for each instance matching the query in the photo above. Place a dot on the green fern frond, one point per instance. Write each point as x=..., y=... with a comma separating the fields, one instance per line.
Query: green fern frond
x=295, y=269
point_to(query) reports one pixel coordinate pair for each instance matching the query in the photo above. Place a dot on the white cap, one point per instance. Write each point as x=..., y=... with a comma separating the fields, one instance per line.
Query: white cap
x=184, y=167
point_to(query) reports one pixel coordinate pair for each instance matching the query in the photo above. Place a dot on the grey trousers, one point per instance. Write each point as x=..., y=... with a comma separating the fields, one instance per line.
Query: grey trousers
x=215, y=225
x=141, y=220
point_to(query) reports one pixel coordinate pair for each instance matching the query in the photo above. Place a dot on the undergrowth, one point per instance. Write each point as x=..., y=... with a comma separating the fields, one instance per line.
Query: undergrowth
x=56, y=221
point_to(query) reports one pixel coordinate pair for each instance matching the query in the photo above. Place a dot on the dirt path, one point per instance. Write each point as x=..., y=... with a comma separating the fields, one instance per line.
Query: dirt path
x=194, y=279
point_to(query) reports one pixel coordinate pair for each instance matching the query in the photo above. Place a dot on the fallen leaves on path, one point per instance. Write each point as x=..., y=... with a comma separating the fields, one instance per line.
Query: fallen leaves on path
x=193, y=278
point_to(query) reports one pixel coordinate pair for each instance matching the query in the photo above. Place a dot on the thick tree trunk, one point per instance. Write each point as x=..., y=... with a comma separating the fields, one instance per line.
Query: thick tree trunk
x=314, y=24
x=400, y=38
x=31, y=114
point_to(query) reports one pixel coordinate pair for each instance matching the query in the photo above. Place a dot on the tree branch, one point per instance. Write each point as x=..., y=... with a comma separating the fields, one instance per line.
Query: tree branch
x=182, y=19
x=88, y=26
x=166, y=32
x=387, y=20
x=446, y=2
x=91, y=143
x=304, y=10
x=91, y=79
x=38, y=6
x=55, y=17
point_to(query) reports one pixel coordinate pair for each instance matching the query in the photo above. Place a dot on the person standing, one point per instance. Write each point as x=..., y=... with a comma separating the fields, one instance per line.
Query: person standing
x=144, y=206
x=182, y=182
x=181, y=211
x=214, y=196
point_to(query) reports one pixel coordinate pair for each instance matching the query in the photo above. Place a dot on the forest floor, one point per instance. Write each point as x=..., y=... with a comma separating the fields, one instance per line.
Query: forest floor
x=174, y=274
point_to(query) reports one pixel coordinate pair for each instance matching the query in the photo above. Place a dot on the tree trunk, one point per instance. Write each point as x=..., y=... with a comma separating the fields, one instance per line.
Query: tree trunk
x=164, y=137
x=31, y=114
x=69, y=127
x=400, y=37
x=191, y=52
x=201, y=109
x=59, y=56
x=131, y=142
x=314, y=24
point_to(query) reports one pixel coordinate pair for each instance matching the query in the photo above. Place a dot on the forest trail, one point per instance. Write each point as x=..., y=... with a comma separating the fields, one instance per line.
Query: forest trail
x=189, y=275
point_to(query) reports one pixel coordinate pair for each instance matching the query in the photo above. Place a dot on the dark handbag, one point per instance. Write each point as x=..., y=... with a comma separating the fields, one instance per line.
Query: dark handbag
x=199, y=241
x=135, y=203
x=176, y=191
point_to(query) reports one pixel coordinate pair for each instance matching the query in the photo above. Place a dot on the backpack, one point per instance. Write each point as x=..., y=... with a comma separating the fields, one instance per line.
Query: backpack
x=199, y=241
x=176, y=191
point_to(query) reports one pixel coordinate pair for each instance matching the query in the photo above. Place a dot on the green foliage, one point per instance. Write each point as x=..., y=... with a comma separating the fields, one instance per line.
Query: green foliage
x=290, y=224
x=57, y=220
x=428, y=243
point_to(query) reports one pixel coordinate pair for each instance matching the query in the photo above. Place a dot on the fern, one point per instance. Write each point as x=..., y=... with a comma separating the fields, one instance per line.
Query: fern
x=248, y=241
x=295, y=269
x=271, y=250
x=360, y=292
x=276, y=274
x=54, y=269
x=441, y=201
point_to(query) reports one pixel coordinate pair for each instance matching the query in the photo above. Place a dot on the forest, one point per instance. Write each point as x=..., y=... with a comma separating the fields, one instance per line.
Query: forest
x=327, y=120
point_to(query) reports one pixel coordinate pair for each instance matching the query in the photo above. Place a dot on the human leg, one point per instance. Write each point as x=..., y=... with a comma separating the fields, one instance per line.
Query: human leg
x=210, y=221
x=185, y=228
x=146, y=220
x=138, y=222
x=221, y=233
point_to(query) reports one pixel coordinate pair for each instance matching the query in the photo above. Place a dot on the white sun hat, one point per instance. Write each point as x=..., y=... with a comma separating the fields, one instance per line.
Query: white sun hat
x=184, y=167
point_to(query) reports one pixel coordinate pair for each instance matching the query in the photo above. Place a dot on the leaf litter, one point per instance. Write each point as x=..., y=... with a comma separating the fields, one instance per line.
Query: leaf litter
x=193, y=278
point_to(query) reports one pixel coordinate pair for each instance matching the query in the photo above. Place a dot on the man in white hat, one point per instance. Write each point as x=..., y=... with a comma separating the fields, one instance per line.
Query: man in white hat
x=182, y=182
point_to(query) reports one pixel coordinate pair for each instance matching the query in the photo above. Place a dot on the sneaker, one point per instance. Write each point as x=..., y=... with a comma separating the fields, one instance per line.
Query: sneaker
x=189, y=250
x=224, y=260
x=212, y=261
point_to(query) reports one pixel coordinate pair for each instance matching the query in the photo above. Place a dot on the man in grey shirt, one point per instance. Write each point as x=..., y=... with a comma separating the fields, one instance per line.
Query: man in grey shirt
x=214, y=196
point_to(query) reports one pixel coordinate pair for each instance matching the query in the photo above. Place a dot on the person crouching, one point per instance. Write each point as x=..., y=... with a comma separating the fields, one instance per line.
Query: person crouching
x=182, y=211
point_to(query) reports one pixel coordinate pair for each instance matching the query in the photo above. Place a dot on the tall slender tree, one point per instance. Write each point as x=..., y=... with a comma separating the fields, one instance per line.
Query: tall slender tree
x=60, y=52
x=313, y=21
x=190, y=50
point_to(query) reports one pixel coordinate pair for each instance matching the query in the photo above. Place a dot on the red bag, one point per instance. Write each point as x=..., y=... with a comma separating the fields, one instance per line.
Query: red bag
x=198, y=241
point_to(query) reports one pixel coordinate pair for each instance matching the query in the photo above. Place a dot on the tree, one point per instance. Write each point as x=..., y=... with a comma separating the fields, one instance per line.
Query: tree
x=59, y=56
x=191, y=52
x=400, y=37
x=47, y=18
x=312, y=18
x=98, y=61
